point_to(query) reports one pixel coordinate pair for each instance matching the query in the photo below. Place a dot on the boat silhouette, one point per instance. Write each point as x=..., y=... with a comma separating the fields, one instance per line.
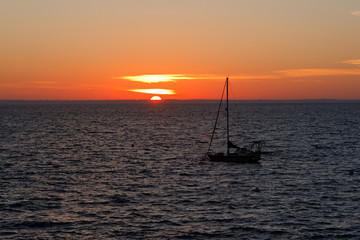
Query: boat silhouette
x=233, y=153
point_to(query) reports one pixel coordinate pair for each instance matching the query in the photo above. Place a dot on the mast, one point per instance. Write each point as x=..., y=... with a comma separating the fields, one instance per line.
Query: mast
x=227, y=115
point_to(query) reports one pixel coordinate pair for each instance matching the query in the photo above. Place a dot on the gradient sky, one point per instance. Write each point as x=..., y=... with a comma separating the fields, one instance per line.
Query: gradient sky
x=270, y=49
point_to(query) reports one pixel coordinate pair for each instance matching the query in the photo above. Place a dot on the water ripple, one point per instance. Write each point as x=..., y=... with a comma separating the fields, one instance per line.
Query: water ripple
x=132, y=170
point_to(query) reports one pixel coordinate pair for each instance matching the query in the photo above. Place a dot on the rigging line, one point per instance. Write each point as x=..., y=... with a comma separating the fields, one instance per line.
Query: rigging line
x=235, y=101
x=232, y=100
x=235, y=105
x=227, y=115
x=217, y=116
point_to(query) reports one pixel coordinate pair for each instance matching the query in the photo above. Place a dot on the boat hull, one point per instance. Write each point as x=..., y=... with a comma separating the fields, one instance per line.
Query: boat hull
x=252, y=157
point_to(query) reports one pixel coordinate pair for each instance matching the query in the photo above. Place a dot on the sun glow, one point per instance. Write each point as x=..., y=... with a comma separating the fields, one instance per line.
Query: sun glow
x=157, y=78
x=156, y=98
x=154, y=91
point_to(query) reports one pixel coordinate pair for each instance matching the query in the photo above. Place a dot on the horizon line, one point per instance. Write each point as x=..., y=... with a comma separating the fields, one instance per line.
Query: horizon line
x=174, y=99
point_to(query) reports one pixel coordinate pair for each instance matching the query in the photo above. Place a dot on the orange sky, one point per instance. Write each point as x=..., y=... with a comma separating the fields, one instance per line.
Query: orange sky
x=88, y=49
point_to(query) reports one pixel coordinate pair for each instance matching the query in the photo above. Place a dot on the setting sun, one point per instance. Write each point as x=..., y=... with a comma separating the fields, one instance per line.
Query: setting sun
x=156, y=98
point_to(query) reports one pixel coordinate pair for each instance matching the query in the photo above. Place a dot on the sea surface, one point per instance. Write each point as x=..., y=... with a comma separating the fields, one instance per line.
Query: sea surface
x=135, y=170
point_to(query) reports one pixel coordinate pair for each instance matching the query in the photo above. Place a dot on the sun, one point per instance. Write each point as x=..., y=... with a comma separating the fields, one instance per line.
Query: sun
x=156, y=98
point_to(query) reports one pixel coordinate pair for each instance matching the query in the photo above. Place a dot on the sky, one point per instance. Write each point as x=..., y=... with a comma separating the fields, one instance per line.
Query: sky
x=179, y=49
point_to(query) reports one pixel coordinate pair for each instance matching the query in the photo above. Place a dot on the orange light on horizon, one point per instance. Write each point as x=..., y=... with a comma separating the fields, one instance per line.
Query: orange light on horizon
x=154, y=91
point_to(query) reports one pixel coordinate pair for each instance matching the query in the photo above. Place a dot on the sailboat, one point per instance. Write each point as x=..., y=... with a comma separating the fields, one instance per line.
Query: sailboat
x=239, y=155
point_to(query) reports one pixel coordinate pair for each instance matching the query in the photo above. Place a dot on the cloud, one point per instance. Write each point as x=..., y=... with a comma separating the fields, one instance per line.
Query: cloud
x=154, y=91
x=156, y=78
x=235, y=77
x=287, y=73
x=356, y=13
x=353, y=62
x=318, y=72
x=159, y=78
x=249, y=77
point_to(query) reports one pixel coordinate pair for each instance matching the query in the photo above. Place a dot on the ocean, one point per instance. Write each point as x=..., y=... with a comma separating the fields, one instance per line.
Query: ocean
x=135, y=170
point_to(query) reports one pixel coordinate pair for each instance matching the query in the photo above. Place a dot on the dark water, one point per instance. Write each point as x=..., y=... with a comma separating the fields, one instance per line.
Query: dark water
x=133, y=170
